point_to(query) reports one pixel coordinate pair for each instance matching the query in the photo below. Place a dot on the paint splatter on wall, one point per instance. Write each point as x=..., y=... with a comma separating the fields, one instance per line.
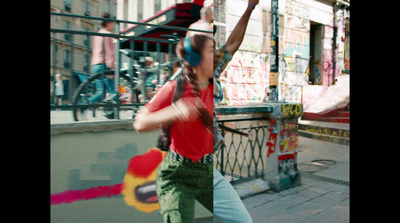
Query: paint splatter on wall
x=138, y=187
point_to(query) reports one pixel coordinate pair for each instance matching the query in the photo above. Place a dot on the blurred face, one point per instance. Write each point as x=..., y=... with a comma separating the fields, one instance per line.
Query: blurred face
x=209, y=17
x=207, y=59
x=110, y=26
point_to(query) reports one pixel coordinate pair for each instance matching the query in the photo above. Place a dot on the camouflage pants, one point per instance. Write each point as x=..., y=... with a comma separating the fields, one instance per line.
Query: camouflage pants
x=179, y=184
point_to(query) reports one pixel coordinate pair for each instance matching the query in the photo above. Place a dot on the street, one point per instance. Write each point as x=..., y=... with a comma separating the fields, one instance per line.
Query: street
x=323, y=195
x=317, y=199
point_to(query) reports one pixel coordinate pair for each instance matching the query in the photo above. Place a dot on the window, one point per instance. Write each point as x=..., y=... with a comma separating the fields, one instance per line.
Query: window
x=87, y=8
x=67, y=36
x=66, y=59
x=67, y=5
x=140, y=11
x=107, y=6
x=157, y=6
x=86, y=39
x=86, y=63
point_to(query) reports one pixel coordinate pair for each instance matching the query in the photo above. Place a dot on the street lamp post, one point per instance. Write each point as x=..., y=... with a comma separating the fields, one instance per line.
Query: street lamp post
x=274, y=55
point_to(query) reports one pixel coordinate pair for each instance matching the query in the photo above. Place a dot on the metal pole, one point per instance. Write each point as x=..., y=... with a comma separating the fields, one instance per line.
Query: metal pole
x=71, y=66
x=274, y=64
x=158, y=65
x=170, y=69
x=53, y=98
x=144, y=74
x=54, y=54
x=131, y=69
x=116, y=76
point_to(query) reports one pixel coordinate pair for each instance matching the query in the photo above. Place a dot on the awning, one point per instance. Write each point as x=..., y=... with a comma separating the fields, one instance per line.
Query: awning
x=180, y=15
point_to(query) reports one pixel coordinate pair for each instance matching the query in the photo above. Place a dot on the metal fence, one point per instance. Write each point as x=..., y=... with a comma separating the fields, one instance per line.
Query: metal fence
x=242, y=156
x=127, y=44
x=239, y=157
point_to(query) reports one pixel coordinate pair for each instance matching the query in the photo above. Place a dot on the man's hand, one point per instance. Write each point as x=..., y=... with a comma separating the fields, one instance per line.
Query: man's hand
x=235, y=39
x=254, y=2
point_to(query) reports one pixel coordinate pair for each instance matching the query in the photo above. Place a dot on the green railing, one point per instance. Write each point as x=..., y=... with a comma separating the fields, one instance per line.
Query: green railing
x=241, y=155
x=126, y=44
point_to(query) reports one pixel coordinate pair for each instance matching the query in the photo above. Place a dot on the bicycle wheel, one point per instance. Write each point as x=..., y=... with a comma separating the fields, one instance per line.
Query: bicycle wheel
x=90, y=95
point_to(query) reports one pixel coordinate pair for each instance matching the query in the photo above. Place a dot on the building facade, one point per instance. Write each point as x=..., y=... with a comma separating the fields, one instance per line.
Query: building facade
x=60, y=43
x=313, y=49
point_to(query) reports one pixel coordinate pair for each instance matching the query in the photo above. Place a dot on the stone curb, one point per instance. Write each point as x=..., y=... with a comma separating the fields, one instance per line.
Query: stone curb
x=251, y=188
x=326, y=138
x=79, y=127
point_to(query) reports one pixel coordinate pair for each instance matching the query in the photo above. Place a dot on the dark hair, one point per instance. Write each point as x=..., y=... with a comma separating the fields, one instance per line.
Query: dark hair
x=198, y=43
x=105, y=15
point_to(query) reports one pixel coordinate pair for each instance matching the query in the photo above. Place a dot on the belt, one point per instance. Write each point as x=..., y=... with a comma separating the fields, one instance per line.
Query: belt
x=206, y=159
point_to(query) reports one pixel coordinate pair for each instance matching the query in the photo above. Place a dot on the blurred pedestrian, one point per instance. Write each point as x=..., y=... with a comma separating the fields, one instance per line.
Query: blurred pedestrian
x=204, y=23
x=150, y=74
x=59, y=90
x=103, y=58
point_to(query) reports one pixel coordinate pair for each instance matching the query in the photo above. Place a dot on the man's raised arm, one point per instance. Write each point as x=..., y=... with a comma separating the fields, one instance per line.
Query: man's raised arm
x=237, y=35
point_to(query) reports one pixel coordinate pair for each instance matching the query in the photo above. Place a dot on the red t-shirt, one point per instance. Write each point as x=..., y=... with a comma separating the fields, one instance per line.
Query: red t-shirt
x=189, y=139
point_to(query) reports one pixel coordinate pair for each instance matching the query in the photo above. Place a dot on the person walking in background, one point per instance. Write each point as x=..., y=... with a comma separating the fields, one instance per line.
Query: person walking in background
x=204, y=23
x=103, y=58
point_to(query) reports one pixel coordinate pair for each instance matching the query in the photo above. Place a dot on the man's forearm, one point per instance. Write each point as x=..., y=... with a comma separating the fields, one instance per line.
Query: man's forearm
x=235, y=39
x=148, y=121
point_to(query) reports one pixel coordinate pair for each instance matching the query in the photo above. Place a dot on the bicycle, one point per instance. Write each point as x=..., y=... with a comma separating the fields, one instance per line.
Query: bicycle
x=94, y=93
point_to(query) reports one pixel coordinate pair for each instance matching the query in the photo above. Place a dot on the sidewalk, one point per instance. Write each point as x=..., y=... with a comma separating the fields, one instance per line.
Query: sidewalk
x=323, y=195
x=66, y=117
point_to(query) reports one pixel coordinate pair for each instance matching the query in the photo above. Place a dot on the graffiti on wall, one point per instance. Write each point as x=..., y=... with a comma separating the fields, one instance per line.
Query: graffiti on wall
x=328, y=131
x=295, y=71
x=340, y=21
x=296, y=31
x=137, y=188
x=273, y=136
x=288, y=138
x=291, y=93
x=245, y=78
x=286, y=145
x=287, y=157
x=292, y=110
x=318, y=58
x=295, y=52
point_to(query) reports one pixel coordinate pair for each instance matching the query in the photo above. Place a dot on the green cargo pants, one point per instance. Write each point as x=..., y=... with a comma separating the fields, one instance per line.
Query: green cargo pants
x=179, y=184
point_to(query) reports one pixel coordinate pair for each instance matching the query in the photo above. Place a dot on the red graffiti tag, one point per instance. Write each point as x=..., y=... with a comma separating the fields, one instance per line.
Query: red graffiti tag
x=272, y=136
x=70, y=196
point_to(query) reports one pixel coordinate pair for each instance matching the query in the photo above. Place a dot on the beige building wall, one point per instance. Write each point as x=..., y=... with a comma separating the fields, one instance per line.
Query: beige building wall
x=59, y=44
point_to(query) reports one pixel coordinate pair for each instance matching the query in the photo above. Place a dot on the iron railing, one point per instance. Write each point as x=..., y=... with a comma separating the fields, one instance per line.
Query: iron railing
x=241, y=156
x=131, y=52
